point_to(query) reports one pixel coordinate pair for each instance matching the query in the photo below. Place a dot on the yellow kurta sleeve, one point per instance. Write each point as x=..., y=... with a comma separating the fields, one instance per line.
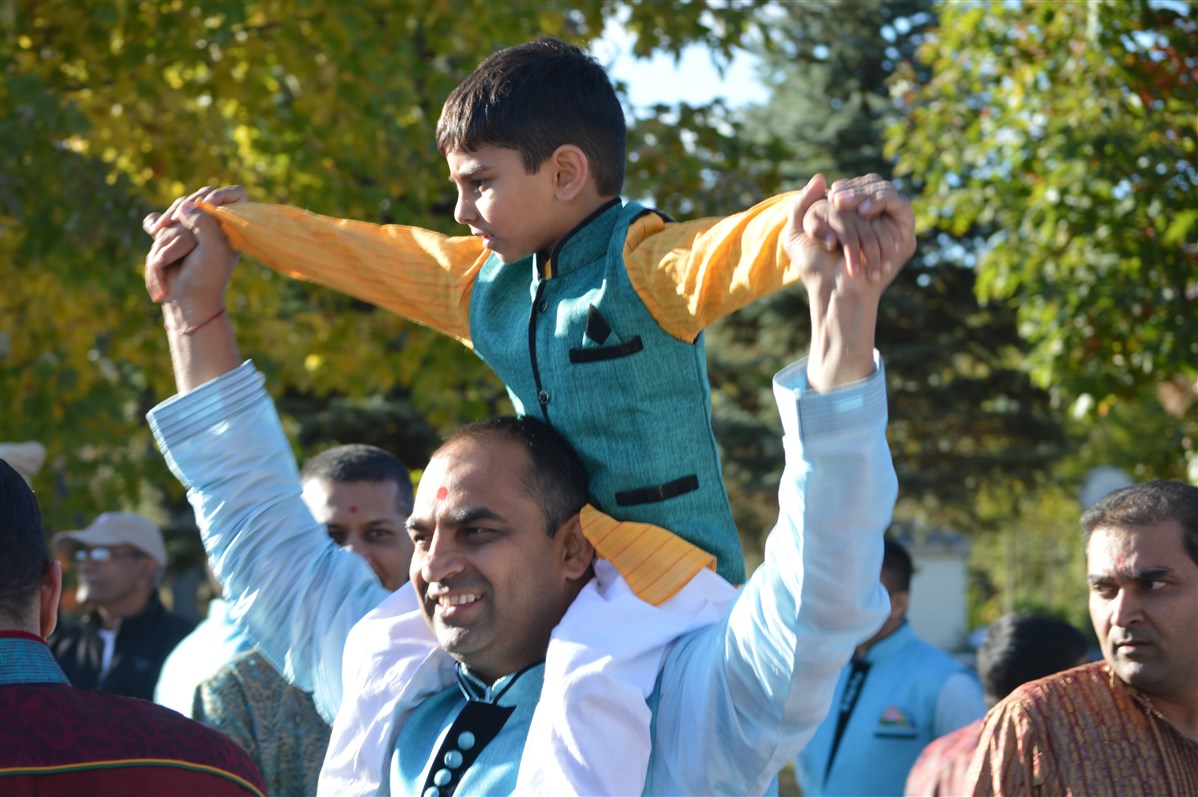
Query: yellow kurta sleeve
x=421, y=275
x=691, y=273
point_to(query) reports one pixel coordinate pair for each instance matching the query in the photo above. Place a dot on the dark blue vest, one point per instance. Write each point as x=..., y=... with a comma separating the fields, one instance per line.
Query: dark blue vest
x=580, y=351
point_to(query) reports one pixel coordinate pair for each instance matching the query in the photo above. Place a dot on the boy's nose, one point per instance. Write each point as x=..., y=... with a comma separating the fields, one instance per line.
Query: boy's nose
x=463, y=210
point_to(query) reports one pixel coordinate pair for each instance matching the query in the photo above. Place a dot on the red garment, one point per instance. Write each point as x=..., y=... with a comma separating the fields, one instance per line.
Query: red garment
x=58, y=740
x=941, y=769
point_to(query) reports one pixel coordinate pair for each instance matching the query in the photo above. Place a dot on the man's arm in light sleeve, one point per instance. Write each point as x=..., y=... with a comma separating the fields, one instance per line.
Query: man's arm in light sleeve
x=960, y=702
x=745, y=696
x=296, y=592
x=418, y=274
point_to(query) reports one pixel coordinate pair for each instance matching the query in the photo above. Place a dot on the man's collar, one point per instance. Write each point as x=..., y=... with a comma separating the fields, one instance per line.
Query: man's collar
x=474, y=688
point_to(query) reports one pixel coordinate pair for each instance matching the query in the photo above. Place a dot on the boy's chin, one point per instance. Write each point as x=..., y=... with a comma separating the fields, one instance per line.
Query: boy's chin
x=507, y=257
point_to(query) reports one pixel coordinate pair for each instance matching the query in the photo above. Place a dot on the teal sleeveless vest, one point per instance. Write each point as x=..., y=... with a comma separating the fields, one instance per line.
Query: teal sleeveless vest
x=580, y=351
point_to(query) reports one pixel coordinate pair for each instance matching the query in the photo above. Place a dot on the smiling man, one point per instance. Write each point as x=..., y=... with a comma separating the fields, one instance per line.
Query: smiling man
x=1128, y=724
x=502, y=545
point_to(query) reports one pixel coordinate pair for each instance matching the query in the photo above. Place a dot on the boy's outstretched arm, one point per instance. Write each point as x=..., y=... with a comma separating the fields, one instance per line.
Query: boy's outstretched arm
x=692, y=273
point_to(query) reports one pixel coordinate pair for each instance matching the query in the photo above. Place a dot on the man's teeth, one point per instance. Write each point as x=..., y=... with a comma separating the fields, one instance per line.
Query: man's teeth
x=456, y=600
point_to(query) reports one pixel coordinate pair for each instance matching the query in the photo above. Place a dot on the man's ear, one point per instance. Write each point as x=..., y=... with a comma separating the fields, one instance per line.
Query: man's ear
x=49, y=592
x=576, y=550
x=571, y=171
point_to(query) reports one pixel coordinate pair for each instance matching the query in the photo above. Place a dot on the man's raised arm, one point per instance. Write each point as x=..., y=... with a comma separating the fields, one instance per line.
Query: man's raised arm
x=745, y=696
x=294, y=589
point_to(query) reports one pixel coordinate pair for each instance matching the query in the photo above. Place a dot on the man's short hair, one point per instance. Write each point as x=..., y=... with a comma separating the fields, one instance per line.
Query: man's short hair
x=1149, y=504
x=361, y=463
x=534, y=98
x=897, y=562
x=1023, y=647
x=24, y=554
x=556, y=478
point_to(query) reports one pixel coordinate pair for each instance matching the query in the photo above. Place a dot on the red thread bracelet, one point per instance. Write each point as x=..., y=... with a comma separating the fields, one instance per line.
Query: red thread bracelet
x=192, y=329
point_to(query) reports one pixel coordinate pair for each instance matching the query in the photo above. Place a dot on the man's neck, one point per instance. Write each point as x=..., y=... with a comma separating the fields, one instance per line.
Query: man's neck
x=1179, y=711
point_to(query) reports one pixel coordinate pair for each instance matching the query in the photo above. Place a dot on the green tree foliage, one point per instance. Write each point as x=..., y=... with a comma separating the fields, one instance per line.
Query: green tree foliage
x=109, y=110
x=963, y=414
x=1063, y=136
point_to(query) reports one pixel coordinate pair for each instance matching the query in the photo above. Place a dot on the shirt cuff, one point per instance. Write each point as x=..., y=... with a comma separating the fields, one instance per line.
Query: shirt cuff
x=843, y=407
x=184, y=415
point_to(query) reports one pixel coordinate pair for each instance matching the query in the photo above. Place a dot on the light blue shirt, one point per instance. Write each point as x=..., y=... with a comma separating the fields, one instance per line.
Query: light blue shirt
x=734, y=702
x=912, y=693
x=210, y=646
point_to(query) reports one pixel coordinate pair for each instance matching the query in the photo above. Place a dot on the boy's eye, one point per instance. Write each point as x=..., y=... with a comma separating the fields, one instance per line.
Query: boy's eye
x=480, y=183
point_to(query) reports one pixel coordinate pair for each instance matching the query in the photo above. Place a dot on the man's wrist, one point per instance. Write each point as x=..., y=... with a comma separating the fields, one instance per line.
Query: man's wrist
x=179, y=316
x=842, y=337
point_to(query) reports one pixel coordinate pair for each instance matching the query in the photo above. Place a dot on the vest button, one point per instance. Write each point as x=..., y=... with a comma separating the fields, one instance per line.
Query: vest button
x=543, y=306
x=543, y=397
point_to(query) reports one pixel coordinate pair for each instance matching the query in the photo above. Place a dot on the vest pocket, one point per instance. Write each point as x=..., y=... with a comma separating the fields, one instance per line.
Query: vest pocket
x=598, y=353
x=651, y=495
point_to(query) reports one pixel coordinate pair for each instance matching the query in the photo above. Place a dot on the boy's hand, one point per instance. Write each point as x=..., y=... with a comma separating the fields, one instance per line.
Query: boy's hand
x=870, y=221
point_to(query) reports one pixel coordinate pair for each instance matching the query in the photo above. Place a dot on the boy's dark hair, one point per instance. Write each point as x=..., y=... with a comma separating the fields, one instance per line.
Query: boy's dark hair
x=897, y=562
x=1149, y=504
x=24, y=554
x=534, y=98
x=1023, y=647
x=556, y=478
x=361, y=463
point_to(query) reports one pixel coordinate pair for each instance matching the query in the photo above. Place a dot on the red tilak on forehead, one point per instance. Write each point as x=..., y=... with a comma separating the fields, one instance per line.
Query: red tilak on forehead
x=441, y=493
x=353, y=510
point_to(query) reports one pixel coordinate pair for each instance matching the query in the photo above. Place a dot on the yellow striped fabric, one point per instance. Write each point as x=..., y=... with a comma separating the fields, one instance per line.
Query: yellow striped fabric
x=419, y=274
x=656, y=563
x=688, y=274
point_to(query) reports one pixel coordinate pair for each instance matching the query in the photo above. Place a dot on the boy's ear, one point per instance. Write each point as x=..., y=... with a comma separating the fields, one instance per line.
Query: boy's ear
x=571, y=171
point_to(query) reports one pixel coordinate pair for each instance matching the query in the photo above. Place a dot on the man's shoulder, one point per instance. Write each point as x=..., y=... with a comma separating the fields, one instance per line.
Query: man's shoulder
x=177, y=625
x=109, y=727
x=1088, y=684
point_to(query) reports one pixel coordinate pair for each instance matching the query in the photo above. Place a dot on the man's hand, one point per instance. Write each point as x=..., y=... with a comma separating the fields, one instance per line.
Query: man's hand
x=190, y=261
x=866, y=217
x=188, y=270
x=869, y=216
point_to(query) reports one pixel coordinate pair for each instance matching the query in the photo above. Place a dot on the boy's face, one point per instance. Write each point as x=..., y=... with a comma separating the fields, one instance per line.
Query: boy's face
x=515, y=213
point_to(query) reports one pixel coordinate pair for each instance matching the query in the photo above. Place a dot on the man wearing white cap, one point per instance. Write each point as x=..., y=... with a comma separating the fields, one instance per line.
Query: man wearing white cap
x=121, y=644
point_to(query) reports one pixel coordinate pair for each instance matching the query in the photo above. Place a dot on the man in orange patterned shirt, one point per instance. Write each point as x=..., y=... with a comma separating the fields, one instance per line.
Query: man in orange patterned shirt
x=1129, y=724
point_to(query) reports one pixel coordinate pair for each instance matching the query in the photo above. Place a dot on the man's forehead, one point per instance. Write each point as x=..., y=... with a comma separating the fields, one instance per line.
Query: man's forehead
x=468, y=466
x=1113, y=549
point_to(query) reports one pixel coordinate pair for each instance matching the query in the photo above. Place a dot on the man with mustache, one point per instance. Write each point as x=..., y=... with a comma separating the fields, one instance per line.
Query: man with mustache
x=1127, y=724
x=500, y=554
